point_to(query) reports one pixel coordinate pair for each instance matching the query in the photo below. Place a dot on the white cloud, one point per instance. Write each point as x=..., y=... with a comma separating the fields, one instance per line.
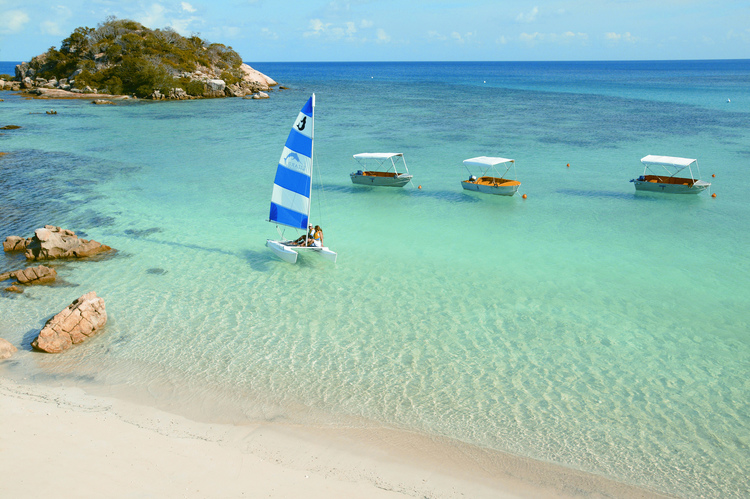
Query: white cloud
x=616, y=37
x=567, y=37
x=317, y=27
x=187, y=7
x=528, y=17
x=153, y=17
x=461, y=39
x=383, y=37
x=502, y=40
x=364, y=24
x=52, y=28
x=267, y=33
x=12, y=21
x=350, y=29
x=434, y=35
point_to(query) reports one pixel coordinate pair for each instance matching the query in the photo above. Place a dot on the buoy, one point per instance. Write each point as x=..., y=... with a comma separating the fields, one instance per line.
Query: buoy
x=713, y=195
x=714, y=175
x=419, y=187
x=568, y=165
x=524, y=196
x=729, y=100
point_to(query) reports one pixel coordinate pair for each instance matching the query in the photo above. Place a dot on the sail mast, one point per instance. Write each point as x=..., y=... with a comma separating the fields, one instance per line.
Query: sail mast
x=312, y=160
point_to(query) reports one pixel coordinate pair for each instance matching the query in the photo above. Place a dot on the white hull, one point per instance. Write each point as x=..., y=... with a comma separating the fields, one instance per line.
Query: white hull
x=376, y=181
x=499, y=190
x=289, y=253
x=697, y=188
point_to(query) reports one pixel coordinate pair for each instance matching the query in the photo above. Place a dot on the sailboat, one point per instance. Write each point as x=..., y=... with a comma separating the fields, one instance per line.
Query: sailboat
x=292, y=188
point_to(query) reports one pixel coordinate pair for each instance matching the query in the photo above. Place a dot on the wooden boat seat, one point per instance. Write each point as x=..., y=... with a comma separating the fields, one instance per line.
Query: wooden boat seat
x=379, y=174
x=494, y=181
x=668, y=180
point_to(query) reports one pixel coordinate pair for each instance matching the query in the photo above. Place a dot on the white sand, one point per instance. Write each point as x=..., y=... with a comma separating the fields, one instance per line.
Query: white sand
x=62, y=442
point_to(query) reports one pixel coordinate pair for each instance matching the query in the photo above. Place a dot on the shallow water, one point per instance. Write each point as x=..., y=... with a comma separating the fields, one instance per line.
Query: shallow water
x=585, y=325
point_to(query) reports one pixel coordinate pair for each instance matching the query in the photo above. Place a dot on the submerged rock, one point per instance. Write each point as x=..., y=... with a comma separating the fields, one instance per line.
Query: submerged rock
x=6, y=349
x=79, y=321
x=32, y=275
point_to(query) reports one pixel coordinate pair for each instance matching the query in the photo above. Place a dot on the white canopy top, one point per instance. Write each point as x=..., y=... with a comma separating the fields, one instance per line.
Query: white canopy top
x=667, y=161
x=377, y=155
x=486, y=161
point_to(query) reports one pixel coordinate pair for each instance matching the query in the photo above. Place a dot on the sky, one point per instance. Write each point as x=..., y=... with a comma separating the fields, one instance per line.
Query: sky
x=407, y=30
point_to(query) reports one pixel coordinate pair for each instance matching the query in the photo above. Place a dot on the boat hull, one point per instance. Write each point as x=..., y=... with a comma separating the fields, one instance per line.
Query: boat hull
x=505, y=189
x=289, y=253
x=283, y=251
x=381, y=181
x=646, y=186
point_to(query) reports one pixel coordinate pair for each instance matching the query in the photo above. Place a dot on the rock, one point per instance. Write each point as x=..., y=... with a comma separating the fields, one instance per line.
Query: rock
x=254, y=76
x=36, y=275
x=6, y=349
x=215, y=85
x=53, y=242
x=13, y=289
x=103, y=102
x=79, y=321
x=15, y=243
x=10, y=127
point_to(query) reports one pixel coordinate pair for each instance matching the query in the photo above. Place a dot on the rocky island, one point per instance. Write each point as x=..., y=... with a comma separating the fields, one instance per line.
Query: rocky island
x=123, y=58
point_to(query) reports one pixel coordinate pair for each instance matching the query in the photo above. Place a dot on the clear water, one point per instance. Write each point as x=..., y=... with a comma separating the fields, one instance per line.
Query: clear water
x=585, y=325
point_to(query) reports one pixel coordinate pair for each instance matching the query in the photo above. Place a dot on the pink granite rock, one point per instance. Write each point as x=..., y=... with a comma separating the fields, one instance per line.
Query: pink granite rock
x=53, y=242
x=6, y=349
x=80, y=320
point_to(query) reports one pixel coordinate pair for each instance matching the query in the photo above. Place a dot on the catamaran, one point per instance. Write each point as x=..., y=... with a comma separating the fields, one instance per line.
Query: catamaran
x=655, y=181
x=488, y=184
x=292, y=189
x=384, y=173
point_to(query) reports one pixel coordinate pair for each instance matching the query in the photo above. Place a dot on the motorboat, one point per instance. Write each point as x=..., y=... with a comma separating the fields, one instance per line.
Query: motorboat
x=489, y=179
x=660, y=175
x=381, y=169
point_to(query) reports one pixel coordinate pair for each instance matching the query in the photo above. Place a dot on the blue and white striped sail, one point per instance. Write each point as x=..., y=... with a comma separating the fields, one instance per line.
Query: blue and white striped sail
x=290, y=200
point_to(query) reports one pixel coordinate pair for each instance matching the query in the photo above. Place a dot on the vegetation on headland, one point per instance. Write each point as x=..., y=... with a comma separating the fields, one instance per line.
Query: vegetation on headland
x=125, y=57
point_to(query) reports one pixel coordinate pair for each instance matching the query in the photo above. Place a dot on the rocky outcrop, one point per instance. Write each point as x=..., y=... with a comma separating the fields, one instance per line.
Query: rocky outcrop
x=53, y=242
x=251, y=83
x=32, y=275
x=15, y=243
x=79, y=321
x=6, y=349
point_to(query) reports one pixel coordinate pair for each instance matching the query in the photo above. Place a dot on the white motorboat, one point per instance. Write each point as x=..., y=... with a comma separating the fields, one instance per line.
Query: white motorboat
x=654, y=180
x=495, y=183
x=381, y=169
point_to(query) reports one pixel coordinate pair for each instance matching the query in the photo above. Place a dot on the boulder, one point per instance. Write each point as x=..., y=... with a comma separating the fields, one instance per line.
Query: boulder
x=215, y=85
x=36, y=275
x=6, y=349
x=79, y=321
x=254, y=76
x=53, y=242
x=103, y=102
x=15, y=243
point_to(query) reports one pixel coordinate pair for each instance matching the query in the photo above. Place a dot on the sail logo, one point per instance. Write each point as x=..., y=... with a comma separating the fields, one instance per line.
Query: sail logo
x=301, y=124
x=294, y=162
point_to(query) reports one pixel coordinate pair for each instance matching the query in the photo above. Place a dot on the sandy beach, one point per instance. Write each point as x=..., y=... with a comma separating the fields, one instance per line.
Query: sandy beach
x=61, y=441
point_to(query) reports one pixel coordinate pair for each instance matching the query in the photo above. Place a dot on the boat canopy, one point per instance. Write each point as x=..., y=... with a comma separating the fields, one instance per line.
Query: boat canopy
x=667, y=161
x=486, y=161
x=377, y=155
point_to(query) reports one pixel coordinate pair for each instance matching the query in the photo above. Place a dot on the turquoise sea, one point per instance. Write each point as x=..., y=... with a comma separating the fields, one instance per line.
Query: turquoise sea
x=586, y=325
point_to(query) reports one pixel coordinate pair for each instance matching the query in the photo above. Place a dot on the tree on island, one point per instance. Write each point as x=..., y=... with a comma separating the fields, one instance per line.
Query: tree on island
x=121, y=56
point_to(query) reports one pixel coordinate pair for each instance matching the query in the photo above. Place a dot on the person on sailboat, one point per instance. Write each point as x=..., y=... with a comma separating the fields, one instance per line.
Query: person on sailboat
x=300, y=241
x=318, y=237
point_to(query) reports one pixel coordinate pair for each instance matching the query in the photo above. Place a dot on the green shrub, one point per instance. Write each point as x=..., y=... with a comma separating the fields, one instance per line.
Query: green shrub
x=124, y=56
